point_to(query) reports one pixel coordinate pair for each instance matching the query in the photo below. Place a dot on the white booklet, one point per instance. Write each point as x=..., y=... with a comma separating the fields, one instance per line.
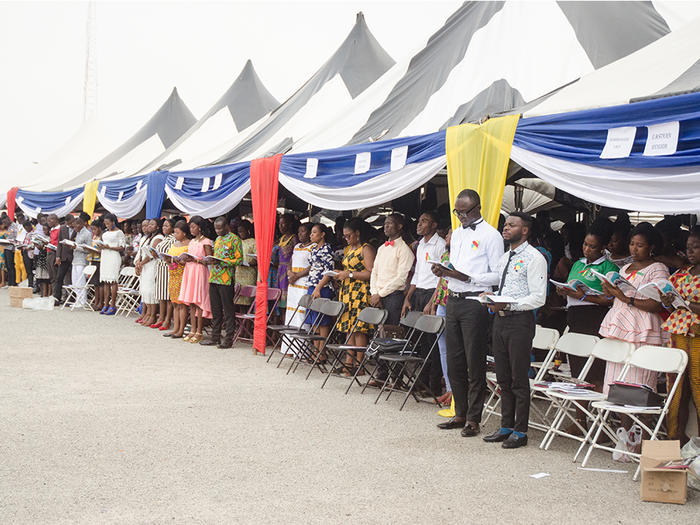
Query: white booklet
x=497, y=299
x=88, y=248
x=446, y=266
x=615, y=279
x=210, y=259
x=576, y=285
x=332, y=273
x=68, y=242
x=655, y=289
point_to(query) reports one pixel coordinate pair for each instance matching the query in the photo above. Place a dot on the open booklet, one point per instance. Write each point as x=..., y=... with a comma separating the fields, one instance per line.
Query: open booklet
x=576, y=285
x=497, y=299
x=446, y=266
x=88, y=248
x=210, y=259
x=8, y=242
x=615, y=279
x=332, y=273
x=68, y=242
x=652, y=290
x=100, y=245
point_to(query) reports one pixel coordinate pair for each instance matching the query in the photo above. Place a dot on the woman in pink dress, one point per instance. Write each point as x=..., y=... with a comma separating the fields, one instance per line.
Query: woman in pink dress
x=195, y=279
x=633, y=317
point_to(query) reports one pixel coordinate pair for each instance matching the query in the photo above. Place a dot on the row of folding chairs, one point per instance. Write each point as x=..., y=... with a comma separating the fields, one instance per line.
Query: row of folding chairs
x=87, y=291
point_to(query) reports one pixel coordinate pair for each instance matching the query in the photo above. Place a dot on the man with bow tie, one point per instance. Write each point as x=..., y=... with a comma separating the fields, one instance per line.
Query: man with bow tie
x=475, y=249
x=390, y=271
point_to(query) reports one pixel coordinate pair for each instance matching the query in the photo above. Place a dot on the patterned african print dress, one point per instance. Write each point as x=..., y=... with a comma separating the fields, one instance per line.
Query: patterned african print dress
x=353, y=292
x=162, y=287
x=284, y=257
x=175, y=272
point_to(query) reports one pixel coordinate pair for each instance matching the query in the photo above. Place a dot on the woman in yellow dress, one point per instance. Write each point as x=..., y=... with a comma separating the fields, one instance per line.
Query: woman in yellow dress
x=176, y=269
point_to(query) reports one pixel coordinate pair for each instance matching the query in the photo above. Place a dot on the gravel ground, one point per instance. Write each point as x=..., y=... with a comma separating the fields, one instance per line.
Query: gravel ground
x=103, y=421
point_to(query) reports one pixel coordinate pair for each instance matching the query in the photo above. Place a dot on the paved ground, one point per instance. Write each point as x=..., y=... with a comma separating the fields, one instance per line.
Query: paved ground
x=103, y=421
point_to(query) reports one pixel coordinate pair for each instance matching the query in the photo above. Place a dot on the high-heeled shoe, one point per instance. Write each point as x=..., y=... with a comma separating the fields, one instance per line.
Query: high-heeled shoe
x=157, y=325
x=196, y=339
x=104, y=310
x=139, y=321
x=164, y=327
x=186, y=338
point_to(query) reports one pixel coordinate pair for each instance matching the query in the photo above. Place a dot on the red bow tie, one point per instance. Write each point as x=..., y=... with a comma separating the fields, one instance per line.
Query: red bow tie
x=389, y=243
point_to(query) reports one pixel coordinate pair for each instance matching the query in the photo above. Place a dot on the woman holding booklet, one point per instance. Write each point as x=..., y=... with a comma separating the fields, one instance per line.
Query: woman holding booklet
x=194, y=291
x=634, y=317
x=146, y=263
x=112, y=246
x=165, y=307
x=684, y=326
x=586, y=304
x=298, y=278
x=175, y=271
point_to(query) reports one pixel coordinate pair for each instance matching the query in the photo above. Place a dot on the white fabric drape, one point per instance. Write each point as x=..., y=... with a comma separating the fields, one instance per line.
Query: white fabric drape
x=378, y=190
x=207, y=209
x=61, y=211
x=667, y=190
x=125, y=208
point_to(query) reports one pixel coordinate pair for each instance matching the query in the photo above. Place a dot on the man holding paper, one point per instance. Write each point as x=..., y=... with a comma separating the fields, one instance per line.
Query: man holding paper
x=228, y=254
x=523, y=278
x=474, y=253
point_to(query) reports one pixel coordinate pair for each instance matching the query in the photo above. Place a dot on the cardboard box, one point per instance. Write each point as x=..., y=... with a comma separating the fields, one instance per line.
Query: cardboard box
x=662, y=485
x=18, y=294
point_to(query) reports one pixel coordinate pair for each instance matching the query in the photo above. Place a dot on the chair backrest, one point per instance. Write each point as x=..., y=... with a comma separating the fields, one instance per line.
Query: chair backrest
x=273, y=294
x=127, y=271
x=612, y=350
x=545, y=338
x=248, y=291
x=410, y=319
x=580, y=345
x=332, y=308
x=88, y=271
x=659, y=359
x=316, y=304
x=305, y=301
x=430, y=324
x=374, y=316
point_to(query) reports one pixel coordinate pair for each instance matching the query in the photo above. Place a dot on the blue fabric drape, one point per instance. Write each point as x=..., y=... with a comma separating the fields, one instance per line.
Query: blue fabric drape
x=233, y=176
x=47, y=200
x=155, y=193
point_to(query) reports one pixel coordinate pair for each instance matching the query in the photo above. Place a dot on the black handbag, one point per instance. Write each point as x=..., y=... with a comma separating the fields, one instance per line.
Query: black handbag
x=385, y=345
x=622, y=393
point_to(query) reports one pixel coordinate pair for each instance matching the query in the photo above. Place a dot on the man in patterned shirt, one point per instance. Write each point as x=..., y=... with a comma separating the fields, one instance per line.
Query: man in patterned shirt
x=228, y=254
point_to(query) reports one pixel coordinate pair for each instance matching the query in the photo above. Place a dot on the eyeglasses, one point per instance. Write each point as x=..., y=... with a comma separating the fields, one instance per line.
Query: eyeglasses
x=462, y=213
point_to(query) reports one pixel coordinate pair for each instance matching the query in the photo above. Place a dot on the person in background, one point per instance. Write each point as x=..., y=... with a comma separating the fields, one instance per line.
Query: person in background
x=27, y=251
x=390, y=270
x=421, y=291
x=282, y=253
x=353, y=283
x=4, y=223
x=64, y=258
x=684, y=326
x=20, y=268
x=93, y=258
x=79, y=260
x=176, y=268
x=634, y=317
x=229, y=254
x=41, y=267
x=319, y=285
x=165, y=307
x=194, y=290
x=523, y=277
x=11, y=231
x=53, y=231
x=298, y=280
x=618, y=251
x=110, y=262
x=585, y=313
x=247, y=271
x=147, y=266
x=475, y=249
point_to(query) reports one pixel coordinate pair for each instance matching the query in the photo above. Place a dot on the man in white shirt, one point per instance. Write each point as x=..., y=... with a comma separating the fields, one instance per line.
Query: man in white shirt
x=475, y=249
x=390, y=271
x=423, y=284
x=523, y=277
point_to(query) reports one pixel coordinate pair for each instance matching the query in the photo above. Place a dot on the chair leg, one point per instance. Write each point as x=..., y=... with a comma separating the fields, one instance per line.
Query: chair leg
x=599, y=422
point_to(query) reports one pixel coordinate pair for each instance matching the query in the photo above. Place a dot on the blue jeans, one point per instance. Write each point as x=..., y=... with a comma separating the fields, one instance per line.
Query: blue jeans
x=442, y=345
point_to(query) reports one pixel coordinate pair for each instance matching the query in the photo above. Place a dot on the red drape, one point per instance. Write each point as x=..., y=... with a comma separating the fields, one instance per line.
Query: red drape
x=11, y=202
x=264, y=174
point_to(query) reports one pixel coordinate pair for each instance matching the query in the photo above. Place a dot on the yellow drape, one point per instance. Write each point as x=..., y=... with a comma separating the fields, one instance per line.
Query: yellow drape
x=477, y=159
x=90, y=197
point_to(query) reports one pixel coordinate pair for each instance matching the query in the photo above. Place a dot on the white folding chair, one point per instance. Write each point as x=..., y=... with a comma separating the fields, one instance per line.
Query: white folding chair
x=567, y=402
x=545, y=339
x=76, y=292
x=128, y=293
x=654, y=358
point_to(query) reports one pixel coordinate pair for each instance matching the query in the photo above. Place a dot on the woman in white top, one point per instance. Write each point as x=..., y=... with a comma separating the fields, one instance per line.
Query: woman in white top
x=111, y=262
x=298, y=279
x=147, y=266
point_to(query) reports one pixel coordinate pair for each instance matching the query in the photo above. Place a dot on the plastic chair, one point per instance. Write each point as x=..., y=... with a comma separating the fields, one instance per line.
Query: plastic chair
x=654, y=358
x=74, y=291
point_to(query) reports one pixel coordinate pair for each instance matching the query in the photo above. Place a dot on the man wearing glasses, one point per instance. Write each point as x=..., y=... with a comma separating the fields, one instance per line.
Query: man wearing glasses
x=475, y=250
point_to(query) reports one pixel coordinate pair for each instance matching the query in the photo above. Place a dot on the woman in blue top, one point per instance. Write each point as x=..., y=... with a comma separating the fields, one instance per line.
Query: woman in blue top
x=321, y=261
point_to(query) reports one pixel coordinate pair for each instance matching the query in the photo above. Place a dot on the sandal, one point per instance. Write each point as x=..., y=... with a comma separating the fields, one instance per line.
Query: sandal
x=186, y=338
x=196, y=338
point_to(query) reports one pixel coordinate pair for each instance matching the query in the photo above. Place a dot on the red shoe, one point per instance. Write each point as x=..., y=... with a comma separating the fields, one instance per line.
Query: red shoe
x=139, y=321
x=156, y=325
x=164, y=327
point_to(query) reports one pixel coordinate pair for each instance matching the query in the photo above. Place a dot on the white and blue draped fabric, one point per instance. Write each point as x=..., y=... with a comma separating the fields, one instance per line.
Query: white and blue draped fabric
x=639, y=156
x=123, y=197
x=363, y=175
x=209, y=191
x=61, y=203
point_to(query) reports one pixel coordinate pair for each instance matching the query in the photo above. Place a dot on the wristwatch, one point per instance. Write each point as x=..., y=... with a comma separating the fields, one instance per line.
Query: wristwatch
x=631, y=303
x=351, y=275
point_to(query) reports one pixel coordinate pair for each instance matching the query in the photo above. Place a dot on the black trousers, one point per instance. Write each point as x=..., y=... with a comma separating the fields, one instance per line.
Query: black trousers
x=432, y=372
x=512, y=344
x=10, y=266
x=29, y=266
x=222, y=311
x=466, y=332
x=392, y=303
x=64, y=269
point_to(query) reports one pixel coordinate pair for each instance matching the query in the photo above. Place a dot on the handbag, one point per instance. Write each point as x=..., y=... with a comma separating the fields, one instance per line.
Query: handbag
x=385, y=345
x=622, y=393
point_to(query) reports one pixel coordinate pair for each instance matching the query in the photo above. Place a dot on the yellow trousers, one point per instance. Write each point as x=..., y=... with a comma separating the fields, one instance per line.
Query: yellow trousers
x=20, y=270
x=689, y=383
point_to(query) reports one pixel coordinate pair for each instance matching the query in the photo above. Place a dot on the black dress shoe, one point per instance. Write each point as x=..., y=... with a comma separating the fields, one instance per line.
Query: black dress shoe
x=514, y=441
x=451, y=423
x=496, y=437
x=224, y=345
x=470, y=430
x=209, y=342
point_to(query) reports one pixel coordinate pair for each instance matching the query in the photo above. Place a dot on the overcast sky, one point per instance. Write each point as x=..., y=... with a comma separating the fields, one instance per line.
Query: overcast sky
x=143, y=49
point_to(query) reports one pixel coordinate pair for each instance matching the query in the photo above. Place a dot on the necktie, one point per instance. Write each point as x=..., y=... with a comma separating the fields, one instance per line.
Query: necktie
x=505, y=271
x=389, y=243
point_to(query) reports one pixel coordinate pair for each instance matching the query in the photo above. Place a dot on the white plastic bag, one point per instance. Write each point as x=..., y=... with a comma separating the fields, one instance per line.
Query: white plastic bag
x=38, y=303
x=634, y=439
x=689, y=450
x=621, y=446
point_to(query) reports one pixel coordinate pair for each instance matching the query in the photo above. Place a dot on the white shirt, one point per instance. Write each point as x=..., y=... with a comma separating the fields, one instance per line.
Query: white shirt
x=526, y=279
x=476, y=253
x=423, y=276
